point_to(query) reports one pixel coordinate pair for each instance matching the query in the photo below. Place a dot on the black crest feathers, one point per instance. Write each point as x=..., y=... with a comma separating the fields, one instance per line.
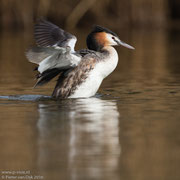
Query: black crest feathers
x=98, y=28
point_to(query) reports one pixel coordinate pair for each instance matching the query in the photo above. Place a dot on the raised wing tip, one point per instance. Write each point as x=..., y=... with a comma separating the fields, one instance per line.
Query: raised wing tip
x=48, y=34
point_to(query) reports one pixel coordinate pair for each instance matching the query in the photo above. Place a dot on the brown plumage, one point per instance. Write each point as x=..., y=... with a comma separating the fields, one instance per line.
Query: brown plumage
x=67, y=84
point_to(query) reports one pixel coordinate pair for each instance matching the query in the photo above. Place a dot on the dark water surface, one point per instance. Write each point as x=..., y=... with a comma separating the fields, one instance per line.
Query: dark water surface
x=129, y=131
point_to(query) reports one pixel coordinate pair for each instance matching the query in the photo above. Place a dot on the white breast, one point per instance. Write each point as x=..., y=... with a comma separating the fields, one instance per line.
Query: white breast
x=101, y=70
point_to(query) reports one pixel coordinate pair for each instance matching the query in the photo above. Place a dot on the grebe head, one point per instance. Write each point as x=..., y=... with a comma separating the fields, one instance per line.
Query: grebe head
x=101, y=37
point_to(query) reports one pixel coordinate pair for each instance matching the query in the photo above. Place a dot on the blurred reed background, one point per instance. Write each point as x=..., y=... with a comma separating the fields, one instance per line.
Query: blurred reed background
x=21, y=14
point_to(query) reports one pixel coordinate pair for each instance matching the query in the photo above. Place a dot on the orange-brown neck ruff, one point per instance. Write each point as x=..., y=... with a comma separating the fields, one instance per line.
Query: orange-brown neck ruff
x=96, y=41
x=100, y=38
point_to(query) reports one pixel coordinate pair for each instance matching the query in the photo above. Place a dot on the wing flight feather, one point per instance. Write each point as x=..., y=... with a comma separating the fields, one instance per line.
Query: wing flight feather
x=48, y=34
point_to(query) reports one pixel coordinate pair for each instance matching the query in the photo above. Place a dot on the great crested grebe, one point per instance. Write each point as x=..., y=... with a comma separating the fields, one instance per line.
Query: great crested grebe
x=80, y=72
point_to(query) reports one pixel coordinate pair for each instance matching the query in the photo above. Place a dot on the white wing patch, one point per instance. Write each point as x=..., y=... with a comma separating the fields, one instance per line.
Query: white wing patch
x=49, y=58
x=60, y=61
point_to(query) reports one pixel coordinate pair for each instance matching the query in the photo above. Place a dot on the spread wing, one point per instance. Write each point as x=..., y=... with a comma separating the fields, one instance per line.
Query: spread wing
x=55, y=47
x=48, y=34
x=54, y=52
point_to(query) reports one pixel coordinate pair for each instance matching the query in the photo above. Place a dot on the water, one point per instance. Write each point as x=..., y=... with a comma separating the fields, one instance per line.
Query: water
x=129, y=130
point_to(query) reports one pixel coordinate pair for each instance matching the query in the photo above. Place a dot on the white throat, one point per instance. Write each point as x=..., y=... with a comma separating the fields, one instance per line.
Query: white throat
x=109, y=63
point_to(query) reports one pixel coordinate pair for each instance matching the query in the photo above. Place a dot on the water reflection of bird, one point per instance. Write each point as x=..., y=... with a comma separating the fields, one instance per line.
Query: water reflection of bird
x=80, y=72
x=81, y=137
